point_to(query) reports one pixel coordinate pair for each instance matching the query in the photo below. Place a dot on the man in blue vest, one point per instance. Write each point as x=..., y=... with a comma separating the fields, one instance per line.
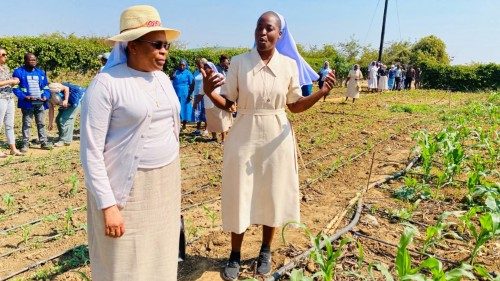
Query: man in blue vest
x=32, y=94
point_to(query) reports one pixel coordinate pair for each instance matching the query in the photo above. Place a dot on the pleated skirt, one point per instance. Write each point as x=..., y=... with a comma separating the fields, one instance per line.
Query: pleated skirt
x=149, y=248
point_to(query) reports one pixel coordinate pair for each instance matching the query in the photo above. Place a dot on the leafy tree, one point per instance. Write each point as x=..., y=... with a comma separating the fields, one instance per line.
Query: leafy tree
x=429, y=49
x=368, y=55
x=351, y=49
x=397, y=52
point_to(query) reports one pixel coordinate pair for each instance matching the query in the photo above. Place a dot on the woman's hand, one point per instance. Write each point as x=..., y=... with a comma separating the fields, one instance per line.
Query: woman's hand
x=233, y=108
x=212, y=82
x=114, y=226
x=51, y=126
x=328, y=83
x=14, y=81
x=64, y=103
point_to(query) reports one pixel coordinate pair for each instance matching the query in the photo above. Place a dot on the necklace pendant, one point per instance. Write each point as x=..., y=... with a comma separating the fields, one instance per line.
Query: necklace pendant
x=157, y=104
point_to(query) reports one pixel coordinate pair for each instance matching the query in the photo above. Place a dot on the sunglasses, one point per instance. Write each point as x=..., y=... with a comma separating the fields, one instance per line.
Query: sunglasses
x=157, y=44
x=3, y=55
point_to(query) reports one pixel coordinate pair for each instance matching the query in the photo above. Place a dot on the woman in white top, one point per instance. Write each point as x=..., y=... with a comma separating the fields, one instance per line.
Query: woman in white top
x=7, y=107
x=352, y=83
x=260, y=182
x=130, y=155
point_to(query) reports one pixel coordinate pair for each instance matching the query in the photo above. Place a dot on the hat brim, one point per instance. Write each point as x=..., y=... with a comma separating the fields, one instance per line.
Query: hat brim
x=133, y=34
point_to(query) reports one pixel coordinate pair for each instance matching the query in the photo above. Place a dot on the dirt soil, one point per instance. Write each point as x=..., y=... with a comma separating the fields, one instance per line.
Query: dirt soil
x=336, y=142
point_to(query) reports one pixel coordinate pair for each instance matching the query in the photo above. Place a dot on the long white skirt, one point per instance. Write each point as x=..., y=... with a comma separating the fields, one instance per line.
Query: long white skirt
x=149, y=248
x=382, y=83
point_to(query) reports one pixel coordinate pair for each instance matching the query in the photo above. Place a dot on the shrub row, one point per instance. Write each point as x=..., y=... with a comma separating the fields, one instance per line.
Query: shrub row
x=62, y=54
x=468, y=78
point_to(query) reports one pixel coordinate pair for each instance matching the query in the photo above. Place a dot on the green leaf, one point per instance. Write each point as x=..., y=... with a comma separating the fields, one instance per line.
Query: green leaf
x=414, y=277
x=456, y=274
x=384, y=271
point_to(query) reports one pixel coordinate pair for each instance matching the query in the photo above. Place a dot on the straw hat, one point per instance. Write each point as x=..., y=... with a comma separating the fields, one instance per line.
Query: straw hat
x=138, y=20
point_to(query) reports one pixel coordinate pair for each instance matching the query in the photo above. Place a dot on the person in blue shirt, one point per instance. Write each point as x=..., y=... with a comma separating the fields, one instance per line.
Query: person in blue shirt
x=67, y=97
x=32, y=96
x=392, y=78
x=182, y=80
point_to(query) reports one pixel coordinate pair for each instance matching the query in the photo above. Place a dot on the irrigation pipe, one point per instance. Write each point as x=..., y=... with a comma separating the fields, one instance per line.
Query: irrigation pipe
x=38, y=263
x=200, y=188
x=295, y=261
x=37, y=220
x=199, y=204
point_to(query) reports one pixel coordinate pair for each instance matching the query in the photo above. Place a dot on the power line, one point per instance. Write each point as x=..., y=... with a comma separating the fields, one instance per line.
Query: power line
x=371, y=22
x=399, y=24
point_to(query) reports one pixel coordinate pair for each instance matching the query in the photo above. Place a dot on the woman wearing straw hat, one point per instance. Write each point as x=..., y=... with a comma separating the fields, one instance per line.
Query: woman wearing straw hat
x=260, y=183
x=130, y=155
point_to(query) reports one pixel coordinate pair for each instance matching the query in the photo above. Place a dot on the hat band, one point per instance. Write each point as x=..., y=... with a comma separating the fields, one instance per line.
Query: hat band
x=150, y=23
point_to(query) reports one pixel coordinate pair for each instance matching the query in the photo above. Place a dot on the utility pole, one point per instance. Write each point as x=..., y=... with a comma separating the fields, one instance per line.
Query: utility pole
x=383, y=33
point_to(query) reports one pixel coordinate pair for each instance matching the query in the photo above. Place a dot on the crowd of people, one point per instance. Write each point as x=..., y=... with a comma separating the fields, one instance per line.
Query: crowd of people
x=132, y=115
x=30, y=85
x=397, y=77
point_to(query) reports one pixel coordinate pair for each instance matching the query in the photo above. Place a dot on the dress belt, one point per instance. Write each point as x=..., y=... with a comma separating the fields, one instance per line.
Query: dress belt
x=261, y=111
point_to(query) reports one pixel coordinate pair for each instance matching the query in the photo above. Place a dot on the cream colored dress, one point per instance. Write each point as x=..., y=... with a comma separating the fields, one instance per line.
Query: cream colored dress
x=353, y=83
x=260, y=183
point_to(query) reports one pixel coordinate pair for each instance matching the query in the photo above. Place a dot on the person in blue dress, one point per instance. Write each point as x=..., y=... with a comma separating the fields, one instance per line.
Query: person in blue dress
x=392, y=78
x=182, y=80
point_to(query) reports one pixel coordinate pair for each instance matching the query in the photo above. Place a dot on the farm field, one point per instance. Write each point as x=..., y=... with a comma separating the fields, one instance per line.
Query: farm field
x=448, y=201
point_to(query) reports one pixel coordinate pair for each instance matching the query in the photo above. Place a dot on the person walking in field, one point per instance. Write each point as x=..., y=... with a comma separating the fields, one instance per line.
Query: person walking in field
x=372, y=77
x=7, y=108
x=218, y=120
x=130, y=156
x=32, y=98
x=382, y=80
x=352, y=83
x=398, y=77
x=182, y=79
x=323, y=73
x=67, y=97
x=260, y=182
x=391, y=77
x=418, y=78
x=198, y=103
x=410, y=76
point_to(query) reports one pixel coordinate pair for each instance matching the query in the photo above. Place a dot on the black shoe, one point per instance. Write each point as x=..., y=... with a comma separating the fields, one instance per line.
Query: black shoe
x=231, y=271
x=47, y=145
x=24, y=148
x=264, y=263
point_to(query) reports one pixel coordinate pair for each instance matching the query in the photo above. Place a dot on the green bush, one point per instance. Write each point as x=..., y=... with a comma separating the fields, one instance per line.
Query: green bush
x=56, y=52
x=474, y=77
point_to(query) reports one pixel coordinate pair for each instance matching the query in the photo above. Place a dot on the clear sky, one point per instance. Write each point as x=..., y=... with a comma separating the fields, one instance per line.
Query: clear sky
x=470, y=28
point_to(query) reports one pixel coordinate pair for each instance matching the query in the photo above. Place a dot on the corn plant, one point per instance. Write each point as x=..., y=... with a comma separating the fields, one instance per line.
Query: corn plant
x=482, y=272
x=428, y=147
x=325, y=259
x=406, y=271
x=453, y=154
x=435, y=233
x=68, y=222
x=211, y=214
x=75, y=183
x=9, y=200
x=489, y=228
x=26, y=233
x=192, y=230
x=435, y=267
